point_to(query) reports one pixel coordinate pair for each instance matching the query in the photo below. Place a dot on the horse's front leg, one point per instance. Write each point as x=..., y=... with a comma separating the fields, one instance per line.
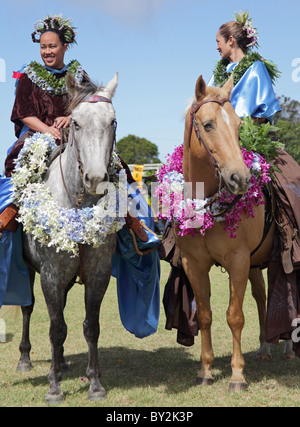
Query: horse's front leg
x=94, y=292
x=200, y=283
x=204, y=316
x=55, y=300
x=25, y=345
x=238, y=269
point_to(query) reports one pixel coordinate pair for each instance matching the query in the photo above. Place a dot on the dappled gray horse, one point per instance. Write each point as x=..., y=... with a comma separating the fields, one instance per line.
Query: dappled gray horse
x=84, y=163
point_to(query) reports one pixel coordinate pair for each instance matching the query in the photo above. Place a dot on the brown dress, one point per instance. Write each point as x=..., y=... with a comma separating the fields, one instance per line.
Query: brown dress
x=32, y=101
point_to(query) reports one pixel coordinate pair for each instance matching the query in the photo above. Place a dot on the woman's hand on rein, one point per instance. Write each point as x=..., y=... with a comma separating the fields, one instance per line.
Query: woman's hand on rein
x=62, y=122
x=54, y=131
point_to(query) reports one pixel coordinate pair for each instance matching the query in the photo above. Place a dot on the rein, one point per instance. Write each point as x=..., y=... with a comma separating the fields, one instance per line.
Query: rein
x=195, y=126
x=79, y=200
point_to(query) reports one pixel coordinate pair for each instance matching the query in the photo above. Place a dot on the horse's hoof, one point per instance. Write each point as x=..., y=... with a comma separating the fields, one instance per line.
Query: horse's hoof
x=204, y=381
x=237, y=387
x=24, y=366
x=289, y=356
x=53, y=399
x=263, y=357
x=97, y=395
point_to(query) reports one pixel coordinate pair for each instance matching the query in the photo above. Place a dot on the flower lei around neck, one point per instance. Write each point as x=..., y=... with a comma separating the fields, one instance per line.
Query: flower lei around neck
x=45, y=80
x=50, y=224
x=194, y=216
x=221, y=76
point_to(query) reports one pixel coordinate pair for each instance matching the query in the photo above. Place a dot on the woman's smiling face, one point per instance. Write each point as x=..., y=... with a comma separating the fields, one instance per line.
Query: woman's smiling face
x=224, y=48
x=52, y=50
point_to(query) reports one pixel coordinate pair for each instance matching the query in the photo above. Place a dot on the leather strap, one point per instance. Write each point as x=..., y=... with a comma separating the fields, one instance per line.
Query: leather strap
x=134, y=224
x=96, y=98
x=7, y=219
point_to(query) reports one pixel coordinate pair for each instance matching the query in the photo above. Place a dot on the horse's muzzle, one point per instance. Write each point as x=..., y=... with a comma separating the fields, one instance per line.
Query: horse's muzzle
x=238, y=184
x=96, y=185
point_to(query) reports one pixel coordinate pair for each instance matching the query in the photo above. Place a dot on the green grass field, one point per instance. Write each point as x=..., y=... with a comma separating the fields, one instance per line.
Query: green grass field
x=153, y=372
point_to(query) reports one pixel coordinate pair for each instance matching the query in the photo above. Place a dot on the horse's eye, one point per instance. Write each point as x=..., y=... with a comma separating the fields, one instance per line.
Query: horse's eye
x=76, y=125
x=208, y=125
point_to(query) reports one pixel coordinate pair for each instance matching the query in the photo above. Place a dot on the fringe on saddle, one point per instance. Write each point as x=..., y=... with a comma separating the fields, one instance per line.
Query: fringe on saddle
x=286, y=187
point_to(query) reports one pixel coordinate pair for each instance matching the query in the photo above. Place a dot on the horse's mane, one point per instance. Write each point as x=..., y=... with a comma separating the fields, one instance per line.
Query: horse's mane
x=87, y=88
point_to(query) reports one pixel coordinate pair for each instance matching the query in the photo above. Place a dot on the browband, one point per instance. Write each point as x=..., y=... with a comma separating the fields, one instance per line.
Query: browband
x=96, y=98
x=196, y=107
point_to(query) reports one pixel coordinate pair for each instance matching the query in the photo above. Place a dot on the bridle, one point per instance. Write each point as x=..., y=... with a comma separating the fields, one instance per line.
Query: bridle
x=79, y=200
x=91, y=99
x=195, y=126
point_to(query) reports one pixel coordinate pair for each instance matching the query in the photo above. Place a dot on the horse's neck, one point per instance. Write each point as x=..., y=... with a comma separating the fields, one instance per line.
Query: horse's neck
x=63, y=178
x=198, y=167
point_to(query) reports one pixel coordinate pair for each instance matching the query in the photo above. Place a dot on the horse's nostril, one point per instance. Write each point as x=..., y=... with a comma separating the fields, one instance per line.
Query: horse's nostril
x=234, y=178
x=87, y=178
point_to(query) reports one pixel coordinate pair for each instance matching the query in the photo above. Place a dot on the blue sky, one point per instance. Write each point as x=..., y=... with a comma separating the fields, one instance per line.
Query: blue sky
x=159, y=48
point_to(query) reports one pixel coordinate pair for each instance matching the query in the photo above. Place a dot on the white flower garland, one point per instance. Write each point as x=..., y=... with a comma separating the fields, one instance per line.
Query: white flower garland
x=50, y=224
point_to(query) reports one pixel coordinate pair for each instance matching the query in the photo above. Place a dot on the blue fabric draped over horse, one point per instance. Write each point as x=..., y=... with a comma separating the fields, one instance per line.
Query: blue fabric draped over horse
x=138, y=275
x=14, y=278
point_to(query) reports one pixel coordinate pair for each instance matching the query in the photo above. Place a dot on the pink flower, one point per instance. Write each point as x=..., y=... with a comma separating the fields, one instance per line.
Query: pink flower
x=189, y=221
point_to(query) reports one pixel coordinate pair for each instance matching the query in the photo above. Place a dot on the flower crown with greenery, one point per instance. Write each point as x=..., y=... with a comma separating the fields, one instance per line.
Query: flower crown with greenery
x=57, y=23
x=246, y=22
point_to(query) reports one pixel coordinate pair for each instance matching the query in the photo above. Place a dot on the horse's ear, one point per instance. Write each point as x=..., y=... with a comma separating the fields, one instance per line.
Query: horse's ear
x=227, y=87
x=112, y=85
x=200, y=90
x=71, y=83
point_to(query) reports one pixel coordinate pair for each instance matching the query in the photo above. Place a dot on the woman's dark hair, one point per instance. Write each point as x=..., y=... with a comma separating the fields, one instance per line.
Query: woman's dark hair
x=56, y=24
x=59, y=33
x=236, y=30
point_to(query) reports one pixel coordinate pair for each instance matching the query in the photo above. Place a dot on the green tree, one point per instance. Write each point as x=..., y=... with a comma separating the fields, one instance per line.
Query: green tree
x=288, y=123
x=135, y=150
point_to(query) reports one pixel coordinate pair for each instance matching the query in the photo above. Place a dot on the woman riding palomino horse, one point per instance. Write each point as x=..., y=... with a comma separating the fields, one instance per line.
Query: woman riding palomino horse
x=253, y=95
x=211, y=144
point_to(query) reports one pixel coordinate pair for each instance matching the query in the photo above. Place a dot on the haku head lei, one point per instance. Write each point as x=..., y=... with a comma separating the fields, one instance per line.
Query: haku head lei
x=57, y=23
x=246, y=22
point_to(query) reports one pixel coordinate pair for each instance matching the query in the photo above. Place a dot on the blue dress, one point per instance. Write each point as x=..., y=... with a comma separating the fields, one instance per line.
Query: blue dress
x=253, y=95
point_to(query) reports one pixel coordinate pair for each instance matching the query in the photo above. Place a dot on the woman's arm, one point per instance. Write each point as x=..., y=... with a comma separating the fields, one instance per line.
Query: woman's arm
x=37, y=125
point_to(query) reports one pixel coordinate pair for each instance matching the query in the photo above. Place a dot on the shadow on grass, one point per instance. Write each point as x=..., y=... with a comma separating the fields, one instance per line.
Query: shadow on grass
x=173, y=368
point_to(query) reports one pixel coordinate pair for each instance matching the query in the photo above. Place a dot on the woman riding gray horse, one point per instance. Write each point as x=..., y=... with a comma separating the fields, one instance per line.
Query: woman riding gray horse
x=40, y=112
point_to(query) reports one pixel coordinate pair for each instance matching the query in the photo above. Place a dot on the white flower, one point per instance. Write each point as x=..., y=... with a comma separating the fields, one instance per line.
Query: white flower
x=41, y=216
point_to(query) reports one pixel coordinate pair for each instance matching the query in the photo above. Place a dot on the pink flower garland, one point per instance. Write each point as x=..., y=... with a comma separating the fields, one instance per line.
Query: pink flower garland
x=192, y=216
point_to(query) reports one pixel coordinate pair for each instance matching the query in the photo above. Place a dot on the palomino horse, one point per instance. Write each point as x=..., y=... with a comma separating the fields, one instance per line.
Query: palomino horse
x=90, y=145
x=209, y=146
